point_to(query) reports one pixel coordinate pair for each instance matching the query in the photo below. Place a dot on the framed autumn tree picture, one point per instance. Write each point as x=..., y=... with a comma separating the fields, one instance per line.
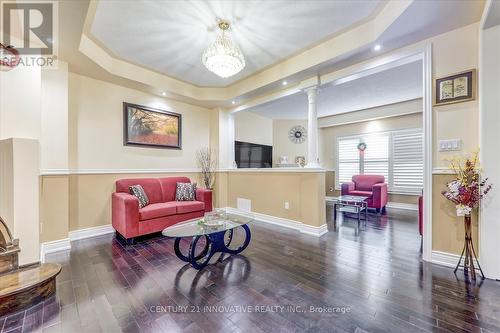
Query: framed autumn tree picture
x=150, y=127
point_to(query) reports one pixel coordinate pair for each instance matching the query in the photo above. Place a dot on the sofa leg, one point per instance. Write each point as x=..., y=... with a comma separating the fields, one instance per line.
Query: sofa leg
x=130, y=241
x=383, y=210
x=377, y=210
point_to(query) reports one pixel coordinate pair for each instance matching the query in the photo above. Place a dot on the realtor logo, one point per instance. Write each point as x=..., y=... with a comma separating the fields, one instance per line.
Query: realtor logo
x=30, y=27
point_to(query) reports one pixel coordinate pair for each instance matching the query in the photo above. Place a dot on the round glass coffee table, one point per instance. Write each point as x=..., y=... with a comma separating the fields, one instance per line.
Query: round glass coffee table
x=217, y=229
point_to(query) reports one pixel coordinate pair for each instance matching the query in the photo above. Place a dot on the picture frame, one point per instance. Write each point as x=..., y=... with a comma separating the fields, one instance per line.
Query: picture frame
x=145, y=126
x=455, y=88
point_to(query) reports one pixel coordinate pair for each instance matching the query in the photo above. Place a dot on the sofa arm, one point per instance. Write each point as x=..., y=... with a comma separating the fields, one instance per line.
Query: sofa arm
x=379, y=195
x=205, y=196
x=125, y=214
x=347, y=188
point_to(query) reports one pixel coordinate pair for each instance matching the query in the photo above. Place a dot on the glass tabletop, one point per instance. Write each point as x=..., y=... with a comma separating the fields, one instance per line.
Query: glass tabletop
x=351, y=198
x=216, y=221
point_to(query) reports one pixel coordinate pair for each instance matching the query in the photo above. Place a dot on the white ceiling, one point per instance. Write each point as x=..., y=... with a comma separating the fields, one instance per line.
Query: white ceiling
x=390, y=86
x=170, y=36
x=493, y=18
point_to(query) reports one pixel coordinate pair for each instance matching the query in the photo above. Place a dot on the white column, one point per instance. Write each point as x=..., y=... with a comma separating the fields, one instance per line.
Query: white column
x=312, y=129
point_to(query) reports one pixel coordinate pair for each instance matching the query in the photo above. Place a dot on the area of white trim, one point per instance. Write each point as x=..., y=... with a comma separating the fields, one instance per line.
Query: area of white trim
x=400, y=205
x=54, y=246
x=446, y=259
x=442, y=171
x=61, y=172
x=65, y=244
x=90, y=232
x=53, y=172
x=427, y=83
x=277, y=170
x=282, y=222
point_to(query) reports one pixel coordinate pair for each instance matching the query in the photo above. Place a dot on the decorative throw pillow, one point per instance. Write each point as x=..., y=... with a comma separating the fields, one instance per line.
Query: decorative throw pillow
x=138, y=191
x=185, y=192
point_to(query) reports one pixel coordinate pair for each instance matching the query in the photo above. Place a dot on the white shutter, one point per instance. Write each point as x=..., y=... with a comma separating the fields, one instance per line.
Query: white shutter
x=376, y=155
x=348, y=159
x=408, y=161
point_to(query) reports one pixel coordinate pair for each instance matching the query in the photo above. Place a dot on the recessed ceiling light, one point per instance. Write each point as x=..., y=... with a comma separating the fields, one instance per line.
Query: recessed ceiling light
x=377, y=47
x=163, y=93
x=233, y=102
x=284, y=83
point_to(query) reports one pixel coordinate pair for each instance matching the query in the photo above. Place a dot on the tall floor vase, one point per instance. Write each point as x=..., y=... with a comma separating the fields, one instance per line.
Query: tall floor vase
x=468, y=253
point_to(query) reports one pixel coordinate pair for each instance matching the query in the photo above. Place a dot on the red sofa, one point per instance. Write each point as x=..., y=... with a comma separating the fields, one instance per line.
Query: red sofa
x=163, y=211
x=372, y=186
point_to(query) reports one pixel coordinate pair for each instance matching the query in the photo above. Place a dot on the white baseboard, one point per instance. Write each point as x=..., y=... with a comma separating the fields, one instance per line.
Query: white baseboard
x=291, y=224
x=446, y=259
x=405, y=206
x=65, y=244
x=91, y=232
x=54, y=246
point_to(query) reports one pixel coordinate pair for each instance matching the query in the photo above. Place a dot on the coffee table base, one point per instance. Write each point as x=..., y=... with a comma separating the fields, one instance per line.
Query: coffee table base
x=215, y=243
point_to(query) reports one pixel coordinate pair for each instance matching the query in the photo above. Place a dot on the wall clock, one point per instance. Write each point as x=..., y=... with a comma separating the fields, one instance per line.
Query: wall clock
x=297, y=134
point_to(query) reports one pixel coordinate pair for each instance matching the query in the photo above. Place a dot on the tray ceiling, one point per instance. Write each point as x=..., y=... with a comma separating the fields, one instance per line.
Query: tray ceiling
x=170, y=36
x=394, y=85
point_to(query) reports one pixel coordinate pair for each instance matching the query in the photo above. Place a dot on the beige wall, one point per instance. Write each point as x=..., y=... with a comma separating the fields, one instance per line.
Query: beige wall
x=268, y=192
x=447, y=228
x=96, y=128
x=54, y=207
x=282, y=144
x=77, y=202
x=454, y=52
x=19, y=194
x=54, y=118
x=330, y=134
x=250, y=127
x=20, y=103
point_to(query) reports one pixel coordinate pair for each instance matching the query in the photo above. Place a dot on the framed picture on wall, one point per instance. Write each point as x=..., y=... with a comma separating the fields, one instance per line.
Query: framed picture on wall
x=455, y=88
x=149, y=127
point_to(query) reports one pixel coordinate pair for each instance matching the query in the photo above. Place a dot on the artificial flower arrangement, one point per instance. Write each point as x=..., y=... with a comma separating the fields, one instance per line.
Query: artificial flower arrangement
x=467, y=190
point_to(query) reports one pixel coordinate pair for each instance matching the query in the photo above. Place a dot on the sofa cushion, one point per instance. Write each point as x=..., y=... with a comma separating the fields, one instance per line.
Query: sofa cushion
x=361, y=193
x=168, y=186
x=138, y=192
x=161, y=209
x=189, y=206
x=185, y=192
x=151, y=186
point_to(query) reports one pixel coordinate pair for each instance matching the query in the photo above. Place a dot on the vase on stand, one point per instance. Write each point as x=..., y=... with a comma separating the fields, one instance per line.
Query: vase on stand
x=468, y=253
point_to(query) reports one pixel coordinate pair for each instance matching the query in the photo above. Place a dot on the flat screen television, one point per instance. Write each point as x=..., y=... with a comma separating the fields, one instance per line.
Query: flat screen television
x=252, y=155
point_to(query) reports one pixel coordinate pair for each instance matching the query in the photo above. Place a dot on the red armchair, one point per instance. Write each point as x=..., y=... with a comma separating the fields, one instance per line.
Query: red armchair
x=371, y=186
x=163, y=211
x=421, y=215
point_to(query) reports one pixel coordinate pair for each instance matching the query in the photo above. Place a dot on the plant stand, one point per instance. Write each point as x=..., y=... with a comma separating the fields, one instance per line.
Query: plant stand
x=469, y=252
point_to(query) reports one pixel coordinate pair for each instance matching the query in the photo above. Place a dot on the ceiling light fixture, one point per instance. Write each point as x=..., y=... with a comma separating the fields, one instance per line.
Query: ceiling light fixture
x=377, y=47
x=284, y=83
x=223, y=57
x=233, y=102
x=163, y=93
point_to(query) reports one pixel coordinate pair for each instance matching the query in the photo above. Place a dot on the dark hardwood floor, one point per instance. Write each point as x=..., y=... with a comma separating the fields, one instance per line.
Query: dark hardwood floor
x=369, y=280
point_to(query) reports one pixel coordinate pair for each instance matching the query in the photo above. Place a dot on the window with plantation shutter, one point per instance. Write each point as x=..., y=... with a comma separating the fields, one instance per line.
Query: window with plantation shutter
x=408, y=161
x=376, y=155
x=397, y=155
x=348, y=159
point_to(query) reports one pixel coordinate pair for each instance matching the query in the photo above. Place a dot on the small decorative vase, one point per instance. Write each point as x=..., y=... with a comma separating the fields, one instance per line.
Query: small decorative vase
x=468, y=252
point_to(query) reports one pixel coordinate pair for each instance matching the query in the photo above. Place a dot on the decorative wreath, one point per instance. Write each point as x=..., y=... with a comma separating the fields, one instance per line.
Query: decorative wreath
x=361, y=146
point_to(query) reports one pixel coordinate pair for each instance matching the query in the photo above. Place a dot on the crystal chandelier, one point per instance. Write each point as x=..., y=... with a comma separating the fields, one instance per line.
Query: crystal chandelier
x=223, y=57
